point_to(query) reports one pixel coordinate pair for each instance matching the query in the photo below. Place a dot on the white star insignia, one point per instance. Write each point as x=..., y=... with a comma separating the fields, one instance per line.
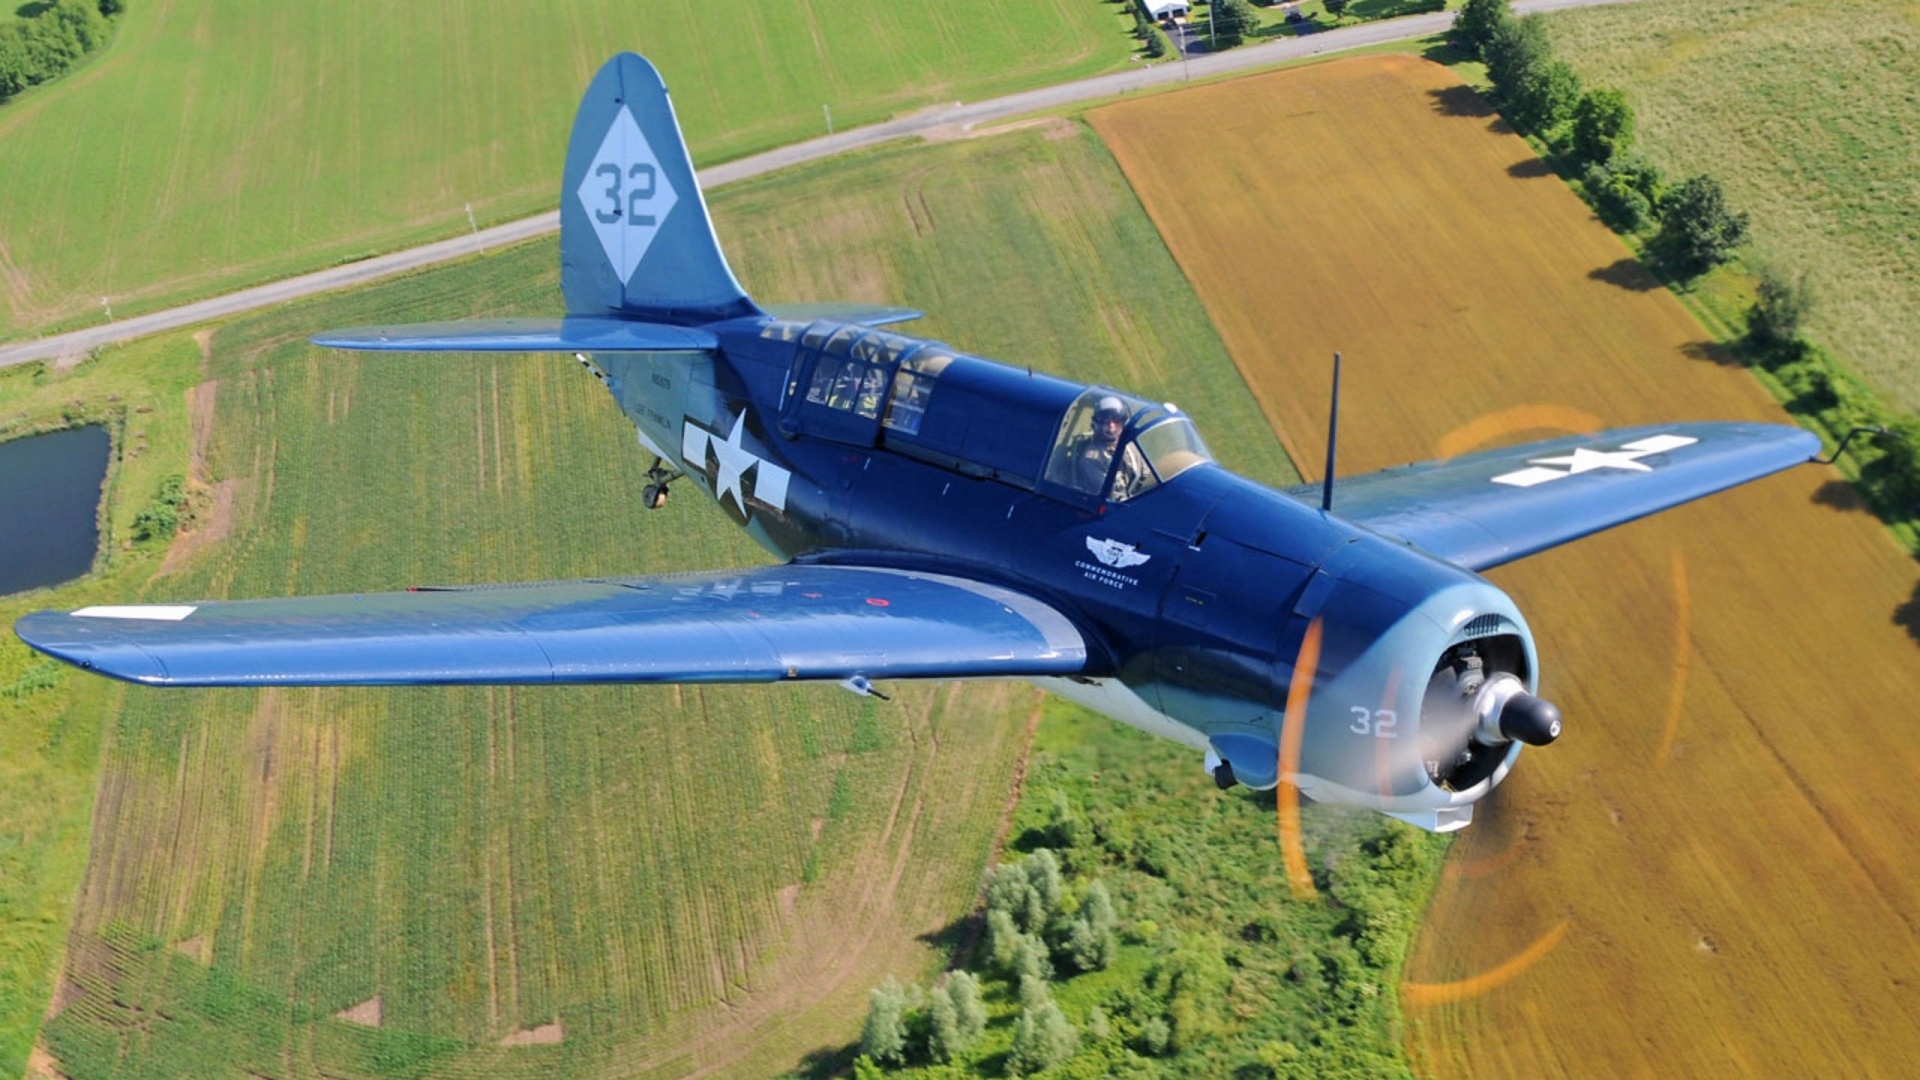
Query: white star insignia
x=733, y=461
x=1627, y=458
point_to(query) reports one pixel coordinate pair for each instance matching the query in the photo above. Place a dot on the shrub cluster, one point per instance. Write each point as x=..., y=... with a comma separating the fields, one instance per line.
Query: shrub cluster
x=161, y=518
x=49, y=41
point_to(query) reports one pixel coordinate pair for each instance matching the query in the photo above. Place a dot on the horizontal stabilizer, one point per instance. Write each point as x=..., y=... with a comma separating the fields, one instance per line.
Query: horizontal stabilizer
x=1489, y=508
x=858, y=314
x=760, y=625
x=587, y=334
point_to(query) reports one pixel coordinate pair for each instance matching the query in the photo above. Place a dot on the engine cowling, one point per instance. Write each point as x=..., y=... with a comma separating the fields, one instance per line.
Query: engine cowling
x=1423, y=693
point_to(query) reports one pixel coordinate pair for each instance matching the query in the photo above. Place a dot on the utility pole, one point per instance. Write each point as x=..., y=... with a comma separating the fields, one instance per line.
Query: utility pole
x=828, y=109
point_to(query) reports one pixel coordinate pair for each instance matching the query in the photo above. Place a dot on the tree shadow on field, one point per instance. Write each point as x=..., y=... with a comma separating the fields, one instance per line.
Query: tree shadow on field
x=1841, y=495
x=33, y=8
x=1712, y=352
x=1630, y=274
x=1532, y=168
x=957, y=939
x=1462, y=100
x=827, y=1061
x=1907, y=615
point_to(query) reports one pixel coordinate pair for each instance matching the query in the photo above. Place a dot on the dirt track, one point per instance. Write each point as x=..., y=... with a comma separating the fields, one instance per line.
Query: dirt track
x=1713, y=873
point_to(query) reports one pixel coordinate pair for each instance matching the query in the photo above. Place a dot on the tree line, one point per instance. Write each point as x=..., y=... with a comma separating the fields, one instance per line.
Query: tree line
x=50, y=39
x=1688, y=229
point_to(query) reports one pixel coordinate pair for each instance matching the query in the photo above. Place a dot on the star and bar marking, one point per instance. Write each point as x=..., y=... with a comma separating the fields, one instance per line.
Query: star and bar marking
x=732, y=462
x=1584, y=460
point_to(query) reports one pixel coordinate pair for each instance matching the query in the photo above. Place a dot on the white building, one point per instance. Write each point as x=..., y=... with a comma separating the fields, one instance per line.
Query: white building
x=1161, y=10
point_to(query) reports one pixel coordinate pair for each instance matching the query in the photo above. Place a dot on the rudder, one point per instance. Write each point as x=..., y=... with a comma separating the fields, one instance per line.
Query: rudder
x=636, y=241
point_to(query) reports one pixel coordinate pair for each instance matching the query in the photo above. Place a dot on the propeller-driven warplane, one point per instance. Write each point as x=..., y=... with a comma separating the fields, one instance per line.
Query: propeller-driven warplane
x=943, y=516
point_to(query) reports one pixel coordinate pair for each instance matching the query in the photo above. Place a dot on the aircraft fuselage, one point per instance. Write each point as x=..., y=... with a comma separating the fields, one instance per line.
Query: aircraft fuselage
x=1197, y=593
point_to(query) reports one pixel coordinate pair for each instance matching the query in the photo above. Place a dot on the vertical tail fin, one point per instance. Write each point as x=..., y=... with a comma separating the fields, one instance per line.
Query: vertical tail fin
x=636, y=241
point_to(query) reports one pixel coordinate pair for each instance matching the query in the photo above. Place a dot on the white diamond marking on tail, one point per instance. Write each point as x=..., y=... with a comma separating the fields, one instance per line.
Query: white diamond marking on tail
x=626, y=195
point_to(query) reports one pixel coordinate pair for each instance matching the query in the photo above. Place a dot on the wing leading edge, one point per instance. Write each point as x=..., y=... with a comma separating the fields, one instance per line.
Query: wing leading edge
x=760, y=625
x=1489, y=508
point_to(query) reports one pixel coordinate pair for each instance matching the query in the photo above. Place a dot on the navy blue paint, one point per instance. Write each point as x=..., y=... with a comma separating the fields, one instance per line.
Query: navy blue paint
x=49, y=506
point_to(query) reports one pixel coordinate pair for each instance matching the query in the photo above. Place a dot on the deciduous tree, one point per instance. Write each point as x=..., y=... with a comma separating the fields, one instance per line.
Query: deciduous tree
x=1602, y=125
x=1475, y=24
x=885, y=1036
x=1041, y=1040
x=1698, y=230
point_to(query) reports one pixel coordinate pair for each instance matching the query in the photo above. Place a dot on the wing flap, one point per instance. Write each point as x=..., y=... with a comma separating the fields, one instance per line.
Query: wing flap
x=1489, y=508
x=575, y=333
x=761, y=625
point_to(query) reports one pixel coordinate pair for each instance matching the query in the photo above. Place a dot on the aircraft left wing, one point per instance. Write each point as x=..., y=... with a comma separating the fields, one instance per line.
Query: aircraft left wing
x=1482, y=510
x=574, y=333
x=758, y=625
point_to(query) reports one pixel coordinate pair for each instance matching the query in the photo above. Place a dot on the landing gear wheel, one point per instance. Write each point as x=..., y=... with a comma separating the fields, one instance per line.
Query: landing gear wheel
x=1223, y=777
x=655, y=495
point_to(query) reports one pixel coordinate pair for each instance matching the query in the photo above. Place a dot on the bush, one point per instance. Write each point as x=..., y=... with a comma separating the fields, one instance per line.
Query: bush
x=1780, y=308
x=161, y=519
x=1617, y=199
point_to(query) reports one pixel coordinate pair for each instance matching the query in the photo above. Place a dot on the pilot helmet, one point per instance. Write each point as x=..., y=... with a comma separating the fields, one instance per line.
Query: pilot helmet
x=1110, y=406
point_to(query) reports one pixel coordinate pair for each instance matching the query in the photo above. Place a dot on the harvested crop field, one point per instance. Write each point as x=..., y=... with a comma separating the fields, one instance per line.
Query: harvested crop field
x=1712, y=874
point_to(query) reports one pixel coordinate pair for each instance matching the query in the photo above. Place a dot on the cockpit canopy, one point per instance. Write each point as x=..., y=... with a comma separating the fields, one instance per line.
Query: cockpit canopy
x=1117, y=446
x=867, y=387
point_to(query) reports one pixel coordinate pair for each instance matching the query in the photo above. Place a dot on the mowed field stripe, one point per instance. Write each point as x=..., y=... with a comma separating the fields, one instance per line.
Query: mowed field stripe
x=1746, y=904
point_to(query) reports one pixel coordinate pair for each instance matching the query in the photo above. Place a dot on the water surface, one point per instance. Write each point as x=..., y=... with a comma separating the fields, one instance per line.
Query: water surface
x=49, y=506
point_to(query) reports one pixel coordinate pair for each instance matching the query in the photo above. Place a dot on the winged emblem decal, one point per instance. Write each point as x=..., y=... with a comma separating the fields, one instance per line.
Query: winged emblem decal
x=1116, y=554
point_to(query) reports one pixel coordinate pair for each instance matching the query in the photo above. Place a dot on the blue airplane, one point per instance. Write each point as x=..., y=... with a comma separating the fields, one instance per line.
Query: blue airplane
x=942, y=516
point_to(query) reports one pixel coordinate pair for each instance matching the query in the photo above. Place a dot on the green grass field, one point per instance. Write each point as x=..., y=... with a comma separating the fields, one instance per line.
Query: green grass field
x=682, y=879
x=218, y=143
x=50, y=721
x=1806, y=110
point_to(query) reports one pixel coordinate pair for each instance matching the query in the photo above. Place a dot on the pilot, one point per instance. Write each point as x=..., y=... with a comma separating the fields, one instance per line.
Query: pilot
x=1093, y=453
x=871, y=387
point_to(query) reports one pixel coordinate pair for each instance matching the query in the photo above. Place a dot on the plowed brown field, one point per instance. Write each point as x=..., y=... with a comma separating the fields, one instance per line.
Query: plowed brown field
x=1714, y=873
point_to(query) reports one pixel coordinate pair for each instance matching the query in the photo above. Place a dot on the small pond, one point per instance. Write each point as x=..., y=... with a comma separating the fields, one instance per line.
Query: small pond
x=49, y=506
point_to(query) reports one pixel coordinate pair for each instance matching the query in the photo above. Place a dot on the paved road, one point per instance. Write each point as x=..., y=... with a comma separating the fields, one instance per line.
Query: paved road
x=1145, y=77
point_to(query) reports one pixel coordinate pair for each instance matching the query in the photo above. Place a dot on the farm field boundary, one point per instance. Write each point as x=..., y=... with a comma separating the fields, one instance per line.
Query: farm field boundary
x=1702, y=812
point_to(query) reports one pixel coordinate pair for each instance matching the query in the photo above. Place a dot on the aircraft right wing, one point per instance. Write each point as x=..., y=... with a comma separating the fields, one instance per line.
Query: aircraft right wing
x=1482, y=510
x=756, y=625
